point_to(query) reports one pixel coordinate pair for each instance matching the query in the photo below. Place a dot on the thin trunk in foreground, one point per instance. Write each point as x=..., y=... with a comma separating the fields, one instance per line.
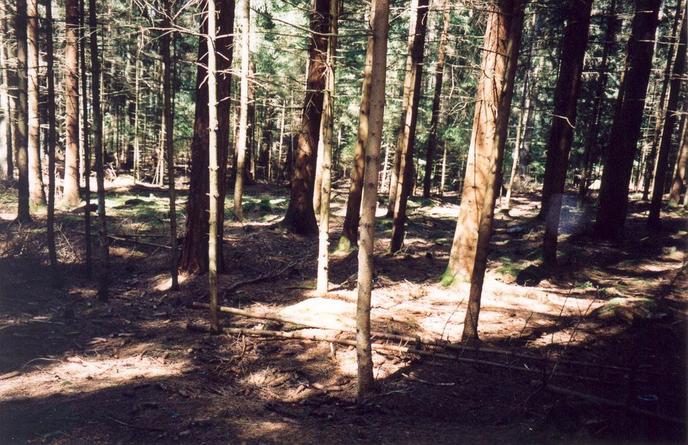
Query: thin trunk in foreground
x=86, y=142
x=380, y=25
x=242, y=139
x=52, y=254
x=22, y=127
x=213, y=190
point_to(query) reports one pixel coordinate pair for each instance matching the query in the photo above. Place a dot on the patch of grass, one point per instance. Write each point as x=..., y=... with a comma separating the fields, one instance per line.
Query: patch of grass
x=510, y=268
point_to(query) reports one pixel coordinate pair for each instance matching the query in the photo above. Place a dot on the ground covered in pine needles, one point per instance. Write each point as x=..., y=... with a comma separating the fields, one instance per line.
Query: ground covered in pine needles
x=594, y=353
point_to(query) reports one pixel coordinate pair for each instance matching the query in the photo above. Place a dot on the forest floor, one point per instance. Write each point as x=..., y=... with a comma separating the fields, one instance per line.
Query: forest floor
x=612, y=324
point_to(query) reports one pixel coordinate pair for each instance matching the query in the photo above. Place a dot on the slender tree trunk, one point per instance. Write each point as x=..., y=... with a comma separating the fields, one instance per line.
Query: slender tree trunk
x=137, y=101
x=6, y=146
x=436, y=99
x=407, y=137
x=380, y=25
x=52, y=253
x=278, y=166
x=103, y=278
x=443, y=175
x=325, y=143
x=493, y=98
x=70, y=192
x=349, y=236
x=242, y=139
x=678, y=185
x=591, y=137
x=36, y=187
x=566, y=92
x=194, y=252
x=300, y=216
x=670, y=121
x=86, y=142
x=23, y=213
x=611, y=214
x=168, y=132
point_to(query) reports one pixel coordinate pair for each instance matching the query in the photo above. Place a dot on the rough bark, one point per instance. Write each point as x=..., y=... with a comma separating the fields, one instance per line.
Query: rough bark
x=495, y=85
x=613, y=201
x=36, y=186
x=86, y=142
x=242, y=139
x=680, y=180
x=137, y=101
x=22, y=127
x=300, y=216
x=194, y=252
x=670, y=121
x=70, y=191
x=566, y=92
x=213, y=164
x=52, y=253
x=406, y=141
x=431, y=146
x=379, y=24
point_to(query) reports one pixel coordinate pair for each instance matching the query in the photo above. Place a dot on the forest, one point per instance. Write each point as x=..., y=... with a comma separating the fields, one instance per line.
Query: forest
x=328, y=221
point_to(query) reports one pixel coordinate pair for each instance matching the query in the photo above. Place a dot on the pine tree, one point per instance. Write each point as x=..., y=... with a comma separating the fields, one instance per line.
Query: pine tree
x=70, y=193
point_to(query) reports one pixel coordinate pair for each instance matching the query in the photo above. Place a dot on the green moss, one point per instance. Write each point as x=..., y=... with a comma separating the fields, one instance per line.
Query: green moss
x=447, y=278
x=344, y=245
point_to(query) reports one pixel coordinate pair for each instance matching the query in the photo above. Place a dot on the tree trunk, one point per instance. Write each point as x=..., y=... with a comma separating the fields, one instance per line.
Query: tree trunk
x=36, y=187
x=70, y=192
x=483, y=165
x=6, y=146
x=86, y=142
x=611, y=214
x=137, y=101
x=678, y=185
x=300, y=216
x=325, y=143
x=22, y=128
x=379, y=24
x=670, y=120
x=575, y=41
x=194, y=252
x=591, y=137
x=278, y=166
x=52, y=253
x=242, y=139
x=407, y=136
x=349, y=236
x=443, y=173
x=436, y=99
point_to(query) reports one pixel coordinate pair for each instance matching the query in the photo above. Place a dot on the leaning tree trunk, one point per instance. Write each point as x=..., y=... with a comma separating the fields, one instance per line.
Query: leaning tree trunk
x=70, y=192
x=194, y=252
x=52, y=253
x=613, y=201
x=22, y=127
x=436, y=99
x=406, y=141
x=379, y=23
x=670, y=121
x=300, y=216
x=36, y=187
x=575, y=41
x=349, y=236
x=490, y=120
x=242, y=139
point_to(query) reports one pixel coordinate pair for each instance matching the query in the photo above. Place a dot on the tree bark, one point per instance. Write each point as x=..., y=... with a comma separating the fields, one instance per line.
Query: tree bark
x=436, y=99
x=86, y=142
x=611, y=214
x=242, y=139
x=6, y=146
x=137, y=101
x=352, y=218
x=566, y=92
x=36, y=186
x=52, y=253
x=300, y=216
x=406, y=141
x=678, y=185
x=194, y=252
x=670, y=121
x=380, y=25
x=70, y=192
x=490, y=120
x=22, y=128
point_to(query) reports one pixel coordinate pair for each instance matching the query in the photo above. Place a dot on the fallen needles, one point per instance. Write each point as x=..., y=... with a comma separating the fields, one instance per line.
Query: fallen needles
x=266, y=276
x=129, y=239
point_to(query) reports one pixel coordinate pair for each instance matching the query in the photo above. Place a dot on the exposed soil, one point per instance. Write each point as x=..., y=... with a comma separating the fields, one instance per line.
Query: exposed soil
x=74, y=370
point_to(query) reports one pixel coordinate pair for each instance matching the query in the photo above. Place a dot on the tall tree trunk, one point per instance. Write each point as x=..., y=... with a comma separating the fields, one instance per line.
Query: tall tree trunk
x=670, y=120
x=405, y=103
x=611, y=214
x=52, y=253
x=70, y=192
x=490, y=120
x=443, y=173
x=22, y=128
x=300, y=216
x=103, y=277
x=574, y=43
x=680, y=179
x=36, y=187
x=86, y=142
x=405, y=180
x=325, y=143
x=278, y=166
x=242, y=139
x=436, y=99
x=6, y=146
x=379, y=23
x=137, y=104
x=349, y=236
x=194, y=252
x=591, y=138
x=213, y=164
x=168, y=122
